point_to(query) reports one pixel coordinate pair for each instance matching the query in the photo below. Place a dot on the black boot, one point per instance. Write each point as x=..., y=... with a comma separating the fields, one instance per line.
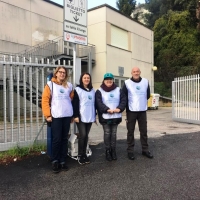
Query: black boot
x=108, y=155
x=55, y=167
x=113, y=154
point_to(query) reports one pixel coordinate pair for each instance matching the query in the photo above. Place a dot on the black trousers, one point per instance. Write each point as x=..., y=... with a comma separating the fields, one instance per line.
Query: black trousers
x=141, y=118
x=84, y=129
x=60, y=129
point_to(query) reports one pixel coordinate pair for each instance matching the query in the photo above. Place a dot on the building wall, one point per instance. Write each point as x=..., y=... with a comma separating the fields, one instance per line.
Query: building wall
x=141, y=51
x=108, y=57
x=97, y=36
x=27, y=23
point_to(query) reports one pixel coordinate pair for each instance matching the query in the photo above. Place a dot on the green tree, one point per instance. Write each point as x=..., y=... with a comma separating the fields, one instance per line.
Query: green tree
x=158, y=8
x=176, y=46
x=176, y=39
x=126, y=6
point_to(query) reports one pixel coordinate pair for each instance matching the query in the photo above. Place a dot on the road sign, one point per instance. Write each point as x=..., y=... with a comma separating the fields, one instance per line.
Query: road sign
x=74, y=28
x=74, y=38
x=75, y=11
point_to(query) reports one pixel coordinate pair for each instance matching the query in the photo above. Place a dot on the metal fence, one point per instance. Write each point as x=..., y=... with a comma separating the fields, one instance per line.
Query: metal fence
x=53, y=49
x=21, y=86
x=47, y=49
x=186, y=99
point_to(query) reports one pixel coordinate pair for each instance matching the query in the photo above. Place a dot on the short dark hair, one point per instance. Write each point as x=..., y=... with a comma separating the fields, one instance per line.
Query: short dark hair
x=81, y=81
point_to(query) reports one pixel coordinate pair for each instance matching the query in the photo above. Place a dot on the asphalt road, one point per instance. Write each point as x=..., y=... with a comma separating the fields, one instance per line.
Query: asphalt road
x=174, y=173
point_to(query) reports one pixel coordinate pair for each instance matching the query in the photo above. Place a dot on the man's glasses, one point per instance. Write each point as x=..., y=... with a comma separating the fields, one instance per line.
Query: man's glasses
x=62, y=72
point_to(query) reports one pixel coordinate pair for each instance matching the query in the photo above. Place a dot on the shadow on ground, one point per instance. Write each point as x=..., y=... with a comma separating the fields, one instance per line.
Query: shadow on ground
x=174, y=173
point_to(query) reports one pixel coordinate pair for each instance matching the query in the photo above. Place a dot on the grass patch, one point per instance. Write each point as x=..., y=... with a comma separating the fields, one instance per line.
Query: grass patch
x=18, y=153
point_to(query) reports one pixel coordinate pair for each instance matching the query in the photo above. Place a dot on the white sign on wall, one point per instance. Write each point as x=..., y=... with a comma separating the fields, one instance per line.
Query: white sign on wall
x=76, y=11
x=121, y=71
x=74, y=28
x=74, y=38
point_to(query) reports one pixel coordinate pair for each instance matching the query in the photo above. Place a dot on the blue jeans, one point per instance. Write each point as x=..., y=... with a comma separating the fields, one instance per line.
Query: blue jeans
x=110, y=135
x=60, y=129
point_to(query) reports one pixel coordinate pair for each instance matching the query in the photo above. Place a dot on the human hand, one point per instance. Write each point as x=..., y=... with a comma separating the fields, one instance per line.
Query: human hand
x=110, y=111
x=49, y=119
x=116, y=110
x=76, y=120
x=72, y=95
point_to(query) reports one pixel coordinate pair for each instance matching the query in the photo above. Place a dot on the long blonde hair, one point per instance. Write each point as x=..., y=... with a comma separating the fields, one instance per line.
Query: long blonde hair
x=66, y=75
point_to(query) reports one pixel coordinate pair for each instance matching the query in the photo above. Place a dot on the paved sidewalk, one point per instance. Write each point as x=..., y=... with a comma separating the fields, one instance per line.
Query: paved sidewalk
x=159, y=123
x=173, y=174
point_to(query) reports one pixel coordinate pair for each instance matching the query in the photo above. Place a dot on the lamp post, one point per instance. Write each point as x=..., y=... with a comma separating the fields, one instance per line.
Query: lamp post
x=154, y=68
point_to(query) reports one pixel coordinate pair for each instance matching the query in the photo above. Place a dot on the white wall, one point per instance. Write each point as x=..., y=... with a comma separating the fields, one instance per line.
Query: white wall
x=29, y=22
x=26, y=23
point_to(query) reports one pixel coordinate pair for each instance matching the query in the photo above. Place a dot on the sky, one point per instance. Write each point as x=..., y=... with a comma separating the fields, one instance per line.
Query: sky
x=94, y=3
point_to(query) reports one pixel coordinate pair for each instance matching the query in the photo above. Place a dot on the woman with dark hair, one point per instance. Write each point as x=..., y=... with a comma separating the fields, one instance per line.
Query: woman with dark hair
x=84, y=113
x=57, y=109
x=110, y=103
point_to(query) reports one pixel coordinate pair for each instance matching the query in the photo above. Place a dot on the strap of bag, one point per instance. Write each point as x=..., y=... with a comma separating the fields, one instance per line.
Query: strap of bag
x=51, y=93
x=49, y=123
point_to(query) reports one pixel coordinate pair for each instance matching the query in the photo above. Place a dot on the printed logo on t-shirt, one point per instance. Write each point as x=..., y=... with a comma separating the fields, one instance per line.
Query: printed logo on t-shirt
x=138, y=87
x=89, y=97
x=111, y=95
x=62, y=91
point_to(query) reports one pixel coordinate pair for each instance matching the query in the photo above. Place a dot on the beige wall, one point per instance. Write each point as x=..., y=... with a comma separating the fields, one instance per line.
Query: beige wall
x=29, y=22
x=118, y=57
x=123, y=22
x=99, y=70
x=15, y=24
x=26, y=23
x=140, y=52
x=44, y=28
x=141, y=47
x=97, y=36
x=24, y=4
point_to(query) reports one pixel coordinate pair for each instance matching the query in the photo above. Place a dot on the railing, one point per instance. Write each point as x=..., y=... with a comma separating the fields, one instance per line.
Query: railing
x=47, y=49
x=83, y=51
x=52, y=49
x=186, y=99
x=21, y=86
x=22, y=79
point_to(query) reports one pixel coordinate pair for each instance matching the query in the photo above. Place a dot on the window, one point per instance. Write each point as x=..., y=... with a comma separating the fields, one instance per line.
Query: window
x=120, y=81
x=119, y=37
x=117, y=82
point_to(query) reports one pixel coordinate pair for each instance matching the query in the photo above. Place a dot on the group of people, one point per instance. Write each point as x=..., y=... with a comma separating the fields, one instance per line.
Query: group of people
x=61, y=104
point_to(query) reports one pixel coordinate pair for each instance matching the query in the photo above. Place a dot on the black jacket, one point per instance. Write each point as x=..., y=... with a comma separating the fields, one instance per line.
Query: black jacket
x=125, y=91
x=76, y=102
x=102, y=108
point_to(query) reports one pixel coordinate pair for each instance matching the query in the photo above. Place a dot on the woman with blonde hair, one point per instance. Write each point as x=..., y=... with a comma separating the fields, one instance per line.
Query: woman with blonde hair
x=57, y=109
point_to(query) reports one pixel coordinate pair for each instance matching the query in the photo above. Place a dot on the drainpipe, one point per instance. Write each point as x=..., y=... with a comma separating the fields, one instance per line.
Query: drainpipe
x=89, y=62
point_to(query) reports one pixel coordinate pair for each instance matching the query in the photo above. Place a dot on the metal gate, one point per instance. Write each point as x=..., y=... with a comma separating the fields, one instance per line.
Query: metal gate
x=21, y=86
x=186, y=99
